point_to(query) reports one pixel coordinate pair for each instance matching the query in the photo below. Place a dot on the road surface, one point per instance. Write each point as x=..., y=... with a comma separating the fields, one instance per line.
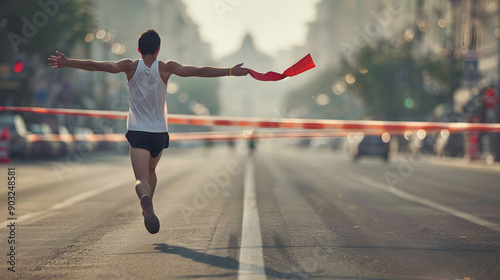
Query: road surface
x=283, y=213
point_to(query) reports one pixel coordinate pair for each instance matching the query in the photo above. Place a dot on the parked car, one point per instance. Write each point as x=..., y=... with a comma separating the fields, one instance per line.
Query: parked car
x=85, y=140
x=45, y=143
x=66, y=141
x=336, y=143
x=320, y=143
x=104, y=144
x=19, y=145
x=455, y=146
x=372, y=146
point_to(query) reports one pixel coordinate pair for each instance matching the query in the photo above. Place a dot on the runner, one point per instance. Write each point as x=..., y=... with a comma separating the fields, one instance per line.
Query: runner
x=147, y=117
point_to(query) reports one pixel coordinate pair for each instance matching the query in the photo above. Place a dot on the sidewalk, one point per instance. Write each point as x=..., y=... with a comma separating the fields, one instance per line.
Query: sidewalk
x=456, y=162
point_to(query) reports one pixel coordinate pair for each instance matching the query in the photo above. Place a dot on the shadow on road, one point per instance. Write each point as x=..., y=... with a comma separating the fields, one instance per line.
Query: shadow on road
x=233, y=264
x=222, y=262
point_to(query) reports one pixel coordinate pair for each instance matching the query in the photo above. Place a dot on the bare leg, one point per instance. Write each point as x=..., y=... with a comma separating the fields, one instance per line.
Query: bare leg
x=152, y=173
x=140, y=164
x=144, y=171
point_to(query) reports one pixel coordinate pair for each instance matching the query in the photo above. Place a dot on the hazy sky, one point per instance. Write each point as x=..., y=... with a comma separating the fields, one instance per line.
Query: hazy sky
x=274, y=24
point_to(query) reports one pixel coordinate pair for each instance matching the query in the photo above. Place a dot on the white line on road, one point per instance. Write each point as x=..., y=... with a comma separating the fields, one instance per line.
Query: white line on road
x=251, y=257
x=429, y=203
x=68, y=202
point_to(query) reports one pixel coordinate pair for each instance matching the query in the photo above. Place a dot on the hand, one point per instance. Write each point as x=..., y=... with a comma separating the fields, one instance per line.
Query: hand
x=237, y=70
x=58, y=61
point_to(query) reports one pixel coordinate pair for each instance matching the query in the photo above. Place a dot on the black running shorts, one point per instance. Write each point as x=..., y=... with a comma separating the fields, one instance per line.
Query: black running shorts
x=154, y=142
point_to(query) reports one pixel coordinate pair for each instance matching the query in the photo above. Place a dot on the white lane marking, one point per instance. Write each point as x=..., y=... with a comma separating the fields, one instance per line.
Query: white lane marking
x=429, y=203
x=68, y=202
x=251, y=257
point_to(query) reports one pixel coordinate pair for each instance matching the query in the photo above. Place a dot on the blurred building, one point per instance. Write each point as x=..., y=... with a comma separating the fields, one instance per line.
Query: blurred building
x=339, y=30
x=118, y=25
x=478, y=30
x=453, y=27
x=127, y=19
x=246, y=96
x=448, y=28
x=466, y=32
x=112, y=35
x=477, y=34
x=343, y=27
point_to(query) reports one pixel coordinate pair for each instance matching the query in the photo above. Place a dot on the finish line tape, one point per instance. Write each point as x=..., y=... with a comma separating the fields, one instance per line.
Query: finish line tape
x=200, y=136
x=395, y=127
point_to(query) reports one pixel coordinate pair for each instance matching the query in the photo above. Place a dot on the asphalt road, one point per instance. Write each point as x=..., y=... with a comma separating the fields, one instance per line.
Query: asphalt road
x=279, y=214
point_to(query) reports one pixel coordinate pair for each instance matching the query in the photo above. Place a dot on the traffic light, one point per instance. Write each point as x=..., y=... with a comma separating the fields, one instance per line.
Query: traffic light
x=13, y=73
x=18, y=66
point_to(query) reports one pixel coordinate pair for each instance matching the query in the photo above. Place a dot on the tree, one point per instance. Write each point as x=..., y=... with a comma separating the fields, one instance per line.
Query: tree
x=317, y=100
x=39, y=27
x=193, y=96
x=399, y=82
x=198, y=90
x=393, y=82
x=33, y=30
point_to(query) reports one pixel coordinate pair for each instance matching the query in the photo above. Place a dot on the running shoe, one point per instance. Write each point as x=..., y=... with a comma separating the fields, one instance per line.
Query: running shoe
x=150, y=220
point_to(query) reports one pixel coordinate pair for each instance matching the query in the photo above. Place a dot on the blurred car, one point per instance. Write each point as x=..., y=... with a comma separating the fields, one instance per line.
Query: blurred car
x=320, y=143
x=85, y=141
x=19, y=144
x=106, y=141
x=372, y=146
x=66, y=141
x=304, y=143
x=455, y=146
x=44, y=142
x=336, y=143
x=415, y=144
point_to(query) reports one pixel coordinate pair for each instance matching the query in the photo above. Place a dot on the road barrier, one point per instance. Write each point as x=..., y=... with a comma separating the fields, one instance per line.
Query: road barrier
x=4, y=145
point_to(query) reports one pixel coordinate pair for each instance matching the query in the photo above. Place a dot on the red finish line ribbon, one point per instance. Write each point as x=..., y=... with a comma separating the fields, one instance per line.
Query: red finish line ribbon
x=301, y=66
x=392, y=127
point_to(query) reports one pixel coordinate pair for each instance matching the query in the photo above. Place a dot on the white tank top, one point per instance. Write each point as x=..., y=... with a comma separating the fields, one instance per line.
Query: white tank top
x=147, y=100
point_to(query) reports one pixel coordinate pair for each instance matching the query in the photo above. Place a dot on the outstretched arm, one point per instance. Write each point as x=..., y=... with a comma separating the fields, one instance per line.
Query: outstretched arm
x=62, y=61
x=206, y=71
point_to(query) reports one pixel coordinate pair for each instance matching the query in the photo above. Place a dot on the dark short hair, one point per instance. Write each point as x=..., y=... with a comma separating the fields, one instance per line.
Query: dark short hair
x=149, y=42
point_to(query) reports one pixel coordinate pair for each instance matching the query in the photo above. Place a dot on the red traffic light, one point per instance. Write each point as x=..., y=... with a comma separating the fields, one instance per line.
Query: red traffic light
x=18, y=67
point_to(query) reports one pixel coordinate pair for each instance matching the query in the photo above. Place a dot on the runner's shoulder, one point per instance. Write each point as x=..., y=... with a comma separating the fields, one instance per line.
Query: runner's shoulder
x=169, y=65
x=128, y=63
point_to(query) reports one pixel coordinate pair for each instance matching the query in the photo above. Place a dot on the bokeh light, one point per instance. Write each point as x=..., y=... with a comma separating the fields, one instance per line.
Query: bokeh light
x=183, y=97
x=409, y=35
x=386, y=137
x=339, y=88
x=322, y=99
x=118, y=48
x=172, y=88
x=409, y=103
x=350, y=79
x=442, y=22
x=445, y=133
x=421, y=134
x=100, y=34
x=89, y=37
x=408, y=134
